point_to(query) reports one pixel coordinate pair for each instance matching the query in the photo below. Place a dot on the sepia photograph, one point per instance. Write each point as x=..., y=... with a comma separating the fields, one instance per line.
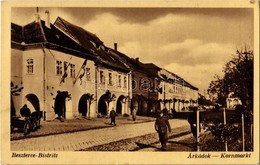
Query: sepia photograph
x=160, y=84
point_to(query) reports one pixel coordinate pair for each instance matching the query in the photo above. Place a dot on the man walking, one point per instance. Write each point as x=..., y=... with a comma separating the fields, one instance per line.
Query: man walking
x=113, y=115
x=134, y=114
x=162, y=126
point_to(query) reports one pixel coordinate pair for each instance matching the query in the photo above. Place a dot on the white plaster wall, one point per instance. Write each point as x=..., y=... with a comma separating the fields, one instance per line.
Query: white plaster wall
x=16, y=76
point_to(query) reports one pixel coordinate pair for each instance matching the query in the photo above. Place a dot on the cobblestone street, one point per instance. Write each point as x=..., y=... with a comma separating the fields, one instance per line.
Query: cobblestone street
x=90, y=138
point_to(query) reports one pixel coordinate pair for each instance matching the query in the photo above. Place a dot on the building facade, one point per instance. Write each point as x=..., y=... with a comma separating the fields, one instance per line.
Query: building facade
x=62, y=64
x=177, y=94
x=62, y=67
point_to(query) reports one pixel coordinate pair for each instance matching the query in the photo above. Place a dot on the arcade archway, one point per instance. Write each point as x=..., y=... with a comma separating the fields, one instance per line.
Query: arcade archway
x=151, y=107
x=83, y=105
x=33, y=102
x=102, y=106
x=134, y=104
x=120, y=104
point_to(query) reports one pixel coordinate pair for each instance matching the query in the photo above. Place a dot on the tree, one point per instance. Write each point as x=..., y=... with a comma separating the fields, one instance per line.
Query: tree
x=109, y=97
x=91, y=99
x=203, y=101
x=238, y=78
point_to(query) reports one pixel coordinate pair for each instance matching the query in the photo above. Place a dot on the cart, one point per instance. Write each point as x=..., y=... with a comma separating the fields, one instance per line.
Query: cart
x=26, y=124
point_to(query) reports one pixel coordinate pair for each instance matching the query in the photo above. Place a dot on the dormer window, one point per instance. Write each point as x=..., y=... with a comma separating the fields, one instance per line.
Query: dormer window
x=57, y=36
x=93, y=43
x=29, y=66
x=101, y=47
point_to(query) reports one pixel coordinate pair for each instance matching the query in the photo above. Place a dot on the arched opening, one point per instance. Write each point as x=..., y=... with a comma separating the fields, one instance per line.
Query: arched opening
x=83, y=105
x=134, y=104
x=151, y=108
x=144, y=106
x=60, y=104
x=33, y=102
x=119, y=104
x=102, y=106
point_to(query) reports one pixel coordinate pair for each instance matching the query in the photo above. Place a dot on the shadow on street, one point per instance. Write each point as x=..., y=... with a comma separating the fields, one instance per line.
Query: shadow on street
x=190, y=145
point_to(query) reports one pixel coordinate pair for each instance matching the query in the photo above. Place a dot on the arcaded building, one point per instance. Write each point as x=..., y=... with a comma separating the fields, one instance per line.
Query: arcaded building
x=47, y=59
x=63, y=65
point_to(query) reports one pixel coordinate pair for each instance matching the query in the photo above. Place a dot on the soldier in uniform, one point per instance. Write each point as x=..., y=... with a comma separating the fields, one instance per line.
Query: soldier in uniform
x=162, y=126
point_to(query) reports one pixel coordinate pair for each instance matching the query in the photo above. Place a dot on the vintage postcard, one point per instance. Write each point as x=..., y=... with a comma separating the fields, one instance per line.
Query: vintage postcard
x=134, y=82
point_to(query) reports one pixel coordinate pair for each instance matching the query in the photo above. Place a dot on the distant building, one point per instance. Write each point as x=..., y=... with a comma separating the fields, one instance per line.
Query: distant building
x=232, y=101
x=177, y=93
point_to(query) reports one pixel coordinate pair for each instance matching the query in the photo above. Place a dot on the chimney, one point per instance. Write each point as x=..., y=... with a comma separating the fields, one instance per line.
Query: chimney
x=115, y=46
x=37, y=15
x=47, y=19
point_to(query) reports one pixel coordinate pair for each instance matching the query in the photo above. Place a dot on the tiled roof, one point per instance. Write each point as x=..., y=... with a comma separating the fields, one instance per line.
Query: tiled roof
x=78, y=34
x=175, y=78
x=33, y=33
x=16, y=33
x=151, y=66
x=36, y=33
x=67, y=37
x=90, y=41
x=107, y=59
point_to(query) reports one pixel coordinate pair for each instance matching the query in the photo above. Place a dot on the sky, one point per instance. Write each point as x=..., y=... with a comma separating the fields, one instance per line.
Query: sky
x=194, y=43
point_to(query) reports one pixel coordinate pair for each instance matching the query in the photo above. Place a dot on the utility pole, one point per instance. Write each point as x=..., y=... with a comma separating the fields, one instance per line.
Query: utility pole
x=198, y=130
x=164, y=95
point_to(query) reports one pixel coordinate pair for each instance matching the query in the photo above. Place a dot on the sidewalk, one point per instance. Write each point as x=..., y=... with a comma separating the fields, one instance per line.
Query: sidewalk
x=53, y=127
x=85, y=139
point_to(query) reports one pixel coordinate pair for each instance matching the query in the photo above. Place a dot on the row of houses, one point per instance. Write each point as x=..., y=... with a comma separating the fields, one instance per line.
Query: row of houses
x=63, y=65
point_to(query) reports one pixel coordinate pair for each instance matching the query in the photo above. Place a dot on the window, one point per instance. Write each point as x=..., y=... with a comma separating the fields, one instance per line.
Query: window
x=134, y=84
x=87, y=73
x=102, y=77
x=119, y=81
x=72, y=70
x=65, y=66
x=58, y=67
x=29, y=66
x=110, y=78
x=125, y=81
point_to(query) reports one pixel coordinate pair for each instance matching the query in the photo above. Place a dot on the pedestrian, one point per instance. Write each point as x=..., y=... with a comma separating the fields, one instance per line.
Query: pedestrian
x=25, y=111
x=134, y=114
x=165, y=113
x=113, y=115
x=162, y=126
x=174, y=113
